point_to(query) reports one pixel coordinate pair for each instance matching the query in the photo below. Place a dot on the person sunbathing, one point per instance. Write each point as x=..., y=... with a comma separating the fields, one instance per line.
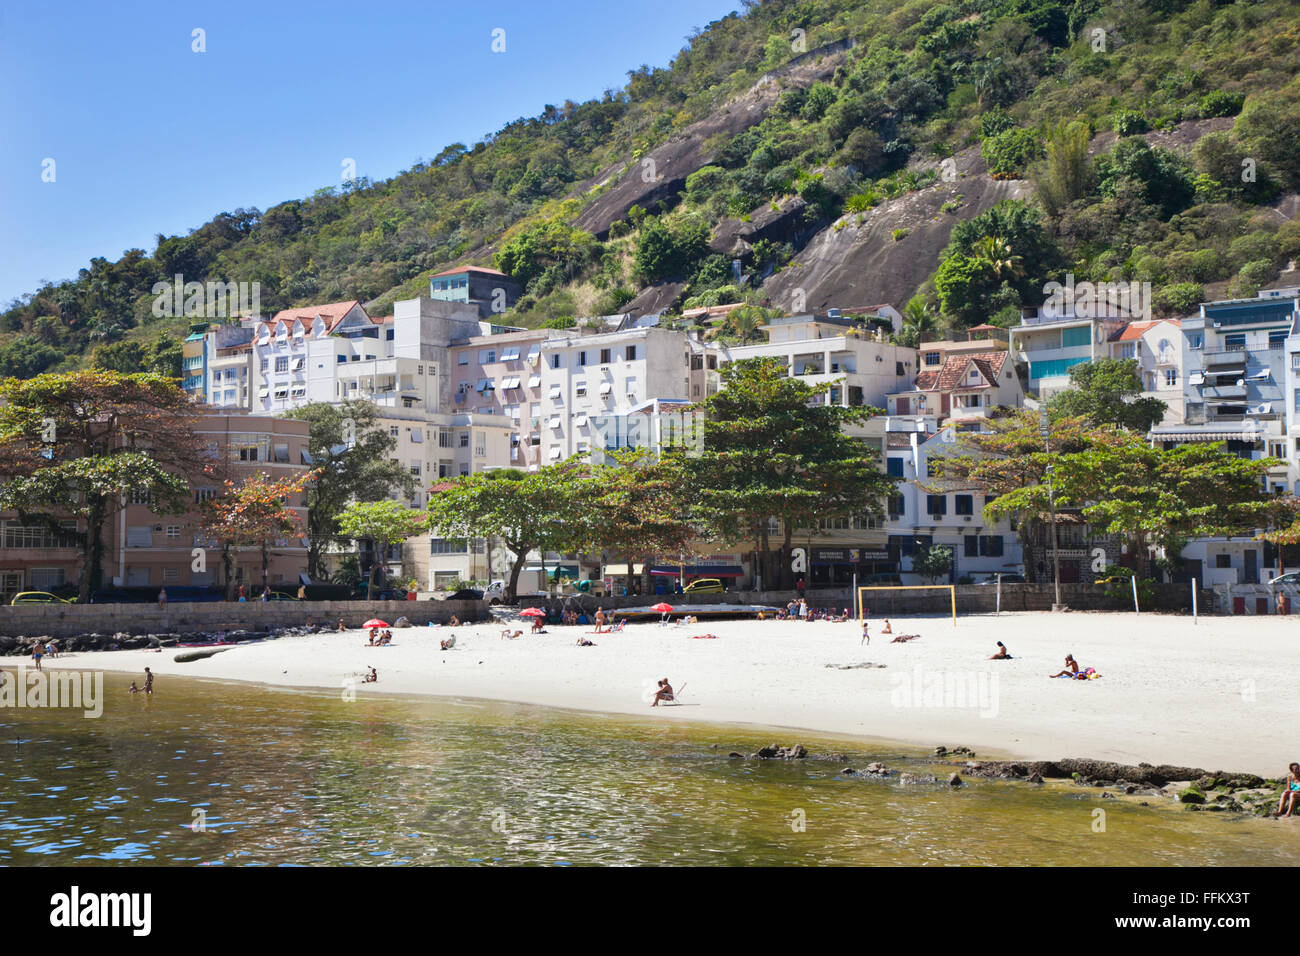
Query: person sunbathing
x=665, y=692
x=904, y=638
x=1071, y=668
x=448, y=644
x=1002, y=654
x=583, y=642
x=1290, y=792
x=385, y=639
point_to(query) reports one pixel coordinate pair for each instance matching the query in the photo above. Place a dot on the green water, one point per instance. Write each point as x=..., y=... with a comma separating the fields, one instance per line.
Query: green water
x=286, y=777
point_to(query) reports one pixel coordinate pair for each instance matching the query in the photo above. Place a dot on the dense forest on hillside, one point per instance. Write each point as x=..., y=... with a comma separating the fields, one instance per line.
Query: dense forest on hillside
x=1160, y=140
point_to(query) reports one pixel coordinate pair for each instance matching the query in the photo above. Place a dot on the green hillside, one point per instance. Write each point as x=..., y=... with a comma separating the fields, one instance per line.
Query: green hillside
x=1132, y=121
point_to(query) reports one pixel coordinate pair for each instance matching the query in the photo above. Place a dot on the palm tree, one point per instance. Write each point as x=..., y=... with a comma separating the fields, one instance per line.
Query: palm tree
x=747, y=326
x=919, y=318
x=996, y=253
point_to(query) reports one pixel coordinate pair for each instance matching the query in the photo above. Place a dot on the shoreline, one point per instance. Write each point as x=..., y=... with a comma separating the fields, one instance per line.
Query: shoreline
x=1212, y=696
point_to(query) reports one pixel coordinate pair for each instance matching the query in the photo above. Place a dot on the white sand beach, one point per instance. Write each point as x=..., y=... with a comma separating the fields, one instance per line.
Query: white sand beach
x=1212, y=695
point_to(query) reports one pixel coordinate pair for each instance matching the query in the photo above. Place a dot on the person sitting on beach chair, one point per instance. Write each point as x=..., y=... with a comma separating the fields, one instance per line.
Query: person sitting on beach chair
x=665, y=692
x=538, y=626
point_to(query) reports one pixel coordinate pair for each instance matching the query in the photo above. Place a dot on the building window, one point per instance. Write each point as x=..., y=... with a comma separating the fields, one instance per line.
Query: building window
x=936, y=505
x=173, y=531
x=1235, y=341
x=582, y=358
x=464, y=439
x=629, y=353
x=963, y=505
x=1171, y=377
x=931, y=358
x=605, y=356
x=895, y=466
x=282, y=363
x=1277, y=338
x=1195, y=340
x=1076, y=338
x=1223, y=560
x=447, y=546
x=898, y=369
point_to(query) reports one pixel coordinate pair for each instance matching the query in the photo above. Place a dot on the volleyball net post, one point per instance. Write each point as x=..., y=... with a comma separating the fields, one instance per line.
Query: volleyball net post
x=950, y=588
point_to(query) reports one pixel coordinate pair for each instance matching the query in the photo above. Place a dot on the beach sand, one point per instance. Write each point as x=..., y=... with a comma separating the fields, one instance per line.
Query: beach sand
x=1211, y=695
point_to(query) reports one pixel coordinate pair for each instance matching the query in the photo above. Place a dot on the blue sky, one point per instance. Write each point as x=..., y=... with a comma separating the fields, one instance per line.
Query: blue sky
x=148, y=136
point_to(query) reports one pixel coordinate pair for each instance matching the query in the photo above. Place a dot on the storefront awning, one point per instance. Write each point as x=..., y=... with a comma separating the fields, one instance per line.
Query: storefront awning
x=621, y=570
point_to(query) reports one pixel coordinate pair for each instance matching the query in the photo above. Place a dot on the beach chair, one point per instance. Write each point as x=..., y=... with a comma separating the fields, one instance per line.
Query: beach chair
x=619, y=626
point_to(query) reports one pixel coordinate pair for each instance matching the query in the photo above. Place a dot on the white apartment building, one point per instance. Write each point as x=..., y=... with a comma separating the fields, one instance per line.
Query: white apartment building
x=1051, y=342
x=1162, y=355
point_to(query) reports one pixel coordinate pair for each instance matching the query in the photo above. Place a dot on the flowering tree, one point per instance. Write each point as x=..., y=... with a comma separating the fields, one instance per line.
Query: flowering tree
x=251, y=514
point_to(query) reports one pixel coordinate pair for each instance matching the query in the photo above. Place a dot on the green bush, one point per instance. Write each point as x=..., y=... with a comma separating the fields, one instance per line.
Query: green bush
x=1181, y=298
x=1129, y=123
x=1009, y=153
x=1222, y=103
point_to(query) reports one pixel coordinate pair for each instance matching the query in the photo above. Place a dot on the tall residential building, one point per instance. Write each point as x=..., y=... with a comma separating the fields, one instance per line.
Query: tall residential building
x=1050, y=342
x=1162, y=355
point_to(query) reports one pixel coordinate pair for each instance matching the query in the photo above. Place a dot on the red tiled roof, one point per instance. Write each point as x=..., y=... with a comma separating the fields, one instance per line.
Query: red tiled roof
x=456, y=272
x=306, y=315
x=952, y=373
x=1134, y=330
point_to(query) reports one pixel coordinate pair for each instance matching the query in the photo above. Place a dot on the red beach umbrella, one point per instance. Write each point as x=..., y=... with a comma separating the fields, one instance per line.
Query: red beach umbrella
x=532, y=612
x=375, y=622
x=661, y=607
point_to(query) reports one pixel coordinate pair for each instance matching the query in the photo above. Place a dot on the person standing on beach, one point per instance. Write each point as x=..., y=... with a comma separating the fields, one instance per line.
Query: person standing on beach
x=38, y=651
x=799, y=588
x=266, y=593
x=148, y=681
x=162, y=598
x=302, y=592
x=242, y=596
x=866, y=632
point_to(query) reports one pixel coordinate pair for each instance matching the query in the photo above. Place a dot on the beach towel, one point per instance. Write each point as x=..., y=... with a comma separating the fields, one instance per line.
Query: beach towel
x=704, y=637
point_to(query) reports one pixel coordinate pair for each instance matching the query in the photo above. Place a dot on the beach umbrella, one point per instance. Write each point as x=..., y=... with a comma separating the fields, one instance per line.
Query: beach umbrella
x=375, y=622
x=532, y=612
x=661, y=607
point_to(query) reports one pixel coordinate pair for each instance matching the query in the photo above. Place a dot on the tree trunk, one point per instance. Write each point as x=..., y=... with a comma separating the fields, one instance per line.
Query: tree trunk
x=92, y=552
x=228, y=569
x=521, y=556
x=787, y=573
x=646, y=577
x=763, y=559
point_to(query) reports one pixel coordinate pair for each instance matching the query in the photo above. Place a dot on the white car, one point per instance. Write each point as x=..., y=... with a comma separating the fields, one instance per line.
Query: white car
x=494, y=592
x=1291, y=577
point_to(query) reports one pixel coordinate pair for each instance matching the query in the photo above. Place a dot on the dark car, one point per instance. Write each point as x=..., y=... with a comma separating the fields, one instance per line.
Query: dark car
x=381, y=594
x=465, y=594
x=108, y=596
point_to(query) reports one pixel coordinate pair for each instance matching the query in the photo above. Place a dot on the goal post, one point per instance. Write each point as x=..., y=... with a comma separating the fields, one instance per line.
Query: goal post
x=950, y=588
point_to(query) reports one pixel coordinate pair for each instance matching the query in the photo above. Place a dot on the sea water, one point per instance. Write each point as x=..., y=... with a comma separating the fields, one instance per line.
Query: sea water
x=209, y=773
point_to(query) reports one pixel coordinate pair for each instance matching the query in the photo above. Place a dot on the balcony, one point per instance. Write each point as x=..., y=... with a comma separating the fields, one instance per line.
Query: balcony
x=1225, y=359
x=1221, y=393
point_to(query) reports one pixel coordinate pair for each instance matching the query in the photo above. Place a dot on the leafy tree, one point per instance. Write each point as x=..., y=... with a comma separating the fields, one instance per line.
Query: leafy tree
x=1159, y=177
x=123, y=357
x=1105, y=392
x=918, y=320
x=252, y=513
x=670, y=249
x=350, y=452
x=549, y=244
x=383, y=524
x=82, y=443
x=932, y=562
x=545, y=510
x=773, y=448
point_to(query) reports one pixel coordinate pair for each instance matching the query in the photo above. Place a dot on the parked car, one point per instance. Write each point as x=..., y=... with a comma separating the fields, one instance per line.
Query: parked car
x=113, y=596
x=39, y=597
x=465, y=594
x=1006, y=579
x=495, y=592
x=381, y=594
x=1291, y=577
x=704, y=586
x=283, y=596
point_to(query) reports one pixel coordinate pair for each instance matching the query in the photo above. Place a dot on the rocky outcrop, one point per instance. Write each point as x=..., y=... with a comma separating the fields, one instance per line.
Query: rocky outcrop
x=654, y=180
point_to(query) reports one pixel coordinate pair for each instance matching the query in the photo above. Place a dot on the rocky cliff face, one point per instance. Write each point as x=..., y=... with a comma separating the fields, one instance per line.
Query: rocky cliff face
x=857, y=261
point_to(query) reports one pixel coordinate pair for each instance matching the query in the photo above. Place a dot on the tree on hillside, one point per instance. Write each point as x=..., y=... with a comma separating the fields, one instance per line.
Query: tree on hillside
x=382, y=524
x=1066, y=175
x=774, y=449
x=544, y=510
x=82, y=444
x=251, y=514
x=1105, y=391
x=351, y=455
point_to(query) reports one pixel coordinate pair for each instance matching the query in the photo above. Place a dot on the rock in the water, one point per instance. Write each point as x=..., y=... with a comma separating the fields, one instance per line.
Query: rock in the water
x=940, y=751
x=734, y=755
x=912, y=779
x=954, y=780
x=1035, y=777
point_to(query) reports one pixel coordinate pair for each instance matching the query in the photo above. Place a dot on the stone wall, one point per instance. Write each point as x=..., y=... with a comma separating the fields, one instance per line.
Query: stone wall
x=68, y=620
